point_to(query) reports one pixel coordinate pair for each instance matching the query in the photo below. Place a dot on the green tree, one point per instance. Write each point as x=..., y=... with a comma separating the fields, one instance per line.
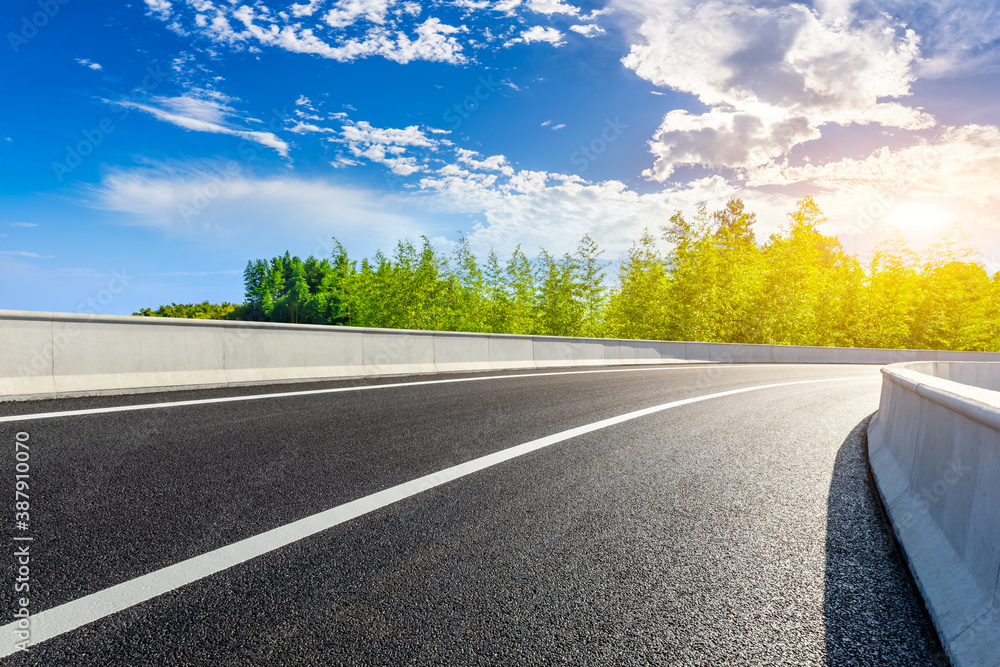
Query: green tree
x=637, y=305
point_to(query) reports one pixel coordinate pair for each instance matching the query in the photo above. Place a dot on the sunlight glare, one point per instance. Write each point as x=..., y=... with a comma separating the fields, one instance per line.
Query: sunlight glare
x=919, y=219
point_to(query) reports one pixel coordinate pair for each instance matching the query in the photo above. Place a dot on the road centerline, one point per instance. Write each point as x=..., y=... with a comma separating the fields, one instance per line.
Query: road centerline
x=67, y=617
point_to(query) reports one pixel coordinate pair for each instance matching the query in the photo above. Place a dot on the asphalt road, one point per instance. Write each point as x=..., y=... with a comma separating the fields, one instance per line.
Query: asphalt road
x=739, y=530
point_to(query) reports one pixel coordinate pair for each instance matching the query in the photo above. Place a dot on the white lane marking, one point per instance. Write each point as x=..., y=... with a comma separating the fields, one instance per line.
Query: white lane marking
x=69, y=616
x=393, y=385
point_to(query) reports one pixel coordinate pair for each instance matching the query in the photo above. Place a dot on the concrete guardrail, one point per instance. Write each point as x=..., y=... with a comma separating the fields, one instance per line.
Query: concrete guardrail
x=934, y=448
x=63, y=354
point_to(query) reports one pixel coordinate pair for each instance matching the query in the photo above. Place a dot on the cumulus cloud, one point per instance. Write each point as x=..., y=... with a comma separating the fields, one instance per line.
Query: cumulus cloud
x=159, y=8
x=90, y=64
x=541, y=209
x=387, y=146
x=346, y=12
x=956, y=36
x=434, y=41
x=538, y=34
x=772, y=75
x=588, y=30
x=552, y=7
x=347, y=30
x=960, y=162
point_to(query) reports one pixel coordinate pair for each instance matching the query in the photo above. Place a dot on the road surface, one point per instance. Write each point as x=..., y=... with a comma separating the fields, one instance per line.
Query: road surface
x=679, y=515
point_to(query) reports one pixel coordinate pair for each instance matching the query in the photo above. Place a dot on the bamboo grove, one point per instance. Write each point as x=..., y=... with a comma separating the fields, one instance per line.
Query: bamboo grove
x=715, y=282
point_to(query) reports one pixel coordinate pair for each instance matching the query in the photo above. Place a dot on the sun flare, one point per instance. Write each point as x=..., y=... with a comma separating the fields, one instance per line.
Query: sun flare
x=919, y=219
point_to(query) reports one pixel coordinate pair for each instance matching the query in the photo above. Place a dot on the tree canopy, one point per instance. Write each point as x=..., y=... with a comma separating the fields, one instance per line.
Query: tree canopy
x=705, y=278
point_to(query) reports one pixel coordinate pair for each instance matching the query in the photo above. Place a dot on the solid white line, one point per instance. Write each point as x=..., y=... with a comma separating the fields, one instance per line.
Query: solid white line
x=310, y=392
x=72, y=615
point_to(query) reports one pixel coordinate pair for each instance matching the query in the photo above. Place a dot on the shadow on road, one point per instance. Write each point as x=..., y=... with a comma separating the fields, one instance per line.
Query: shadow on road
x=873, y=612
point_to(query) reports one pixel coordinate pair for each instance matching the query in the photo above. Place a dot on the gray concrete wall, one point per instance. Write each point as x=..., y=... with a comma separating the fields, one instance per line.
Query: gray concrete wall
x=62, y=354
x=934, y=447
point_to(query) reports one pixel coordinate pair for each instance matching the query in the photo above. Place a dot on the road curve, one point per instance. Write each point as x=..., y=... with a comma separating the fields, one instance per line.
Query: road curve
x=739, y=529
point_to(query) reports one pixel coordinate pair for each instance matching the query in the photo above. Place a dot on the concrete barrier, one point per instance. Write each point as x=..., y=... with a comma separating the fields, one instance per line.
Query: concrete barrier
x=934, y=448
x=63, y=354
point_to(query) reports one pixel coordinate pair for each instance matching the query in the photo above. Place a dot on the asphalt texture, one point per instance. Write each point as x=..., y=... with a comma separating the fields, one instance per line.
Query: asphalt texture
x=741, y=530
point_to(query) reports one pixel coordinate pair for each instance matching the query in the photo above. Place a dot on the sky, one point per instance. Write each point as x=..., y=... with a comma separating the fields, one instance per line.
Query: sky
x=150, y=149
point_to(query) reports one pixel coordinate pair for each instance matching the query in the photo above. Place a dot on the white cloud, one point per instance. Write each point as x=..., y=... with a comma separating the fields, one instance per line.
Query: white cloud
x=434, y=41
x=301, y=127
x=306, y=9
x=538, y=34
x=956, y=36
x=23, y=224
x=363, y=132
x=215, y=203
x=243, y=26
x=204, y=111
x=387, y=146
x=346, y=12
x=559, y=126
x=772, y=75
x=472, y=4
x=588, y=30
x=552, y=7
x=346, y=30
x=24, y=253
x=491, y=163
x=89, y=63
x=539, y=209
x=159, y=8
x=960, y=162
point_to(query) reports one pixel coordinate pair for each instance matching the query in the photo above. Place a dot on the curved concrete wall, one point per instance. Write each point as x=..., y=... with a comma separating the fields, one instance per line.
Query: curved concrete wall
x=62, y=354
x=934, y=447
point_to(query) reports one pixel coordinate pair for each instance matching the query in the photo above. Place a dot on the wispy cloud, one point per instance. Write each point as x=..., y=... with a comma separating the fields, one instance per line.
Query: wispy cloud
x=206, y=202
x=23, y=224
x=89, y=63
x=204, y=111
x=24, y=253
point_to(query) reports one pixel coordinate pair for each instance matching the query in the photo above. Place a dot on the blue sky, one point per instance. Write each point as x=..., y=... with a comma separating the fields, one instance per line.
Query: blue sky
x=155, y=147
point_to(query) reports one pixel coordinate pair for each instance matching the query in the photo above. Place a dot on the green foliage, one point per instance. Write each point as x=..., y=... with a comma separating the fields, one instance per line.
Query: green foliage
x=197, y=311
x=711, y=281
